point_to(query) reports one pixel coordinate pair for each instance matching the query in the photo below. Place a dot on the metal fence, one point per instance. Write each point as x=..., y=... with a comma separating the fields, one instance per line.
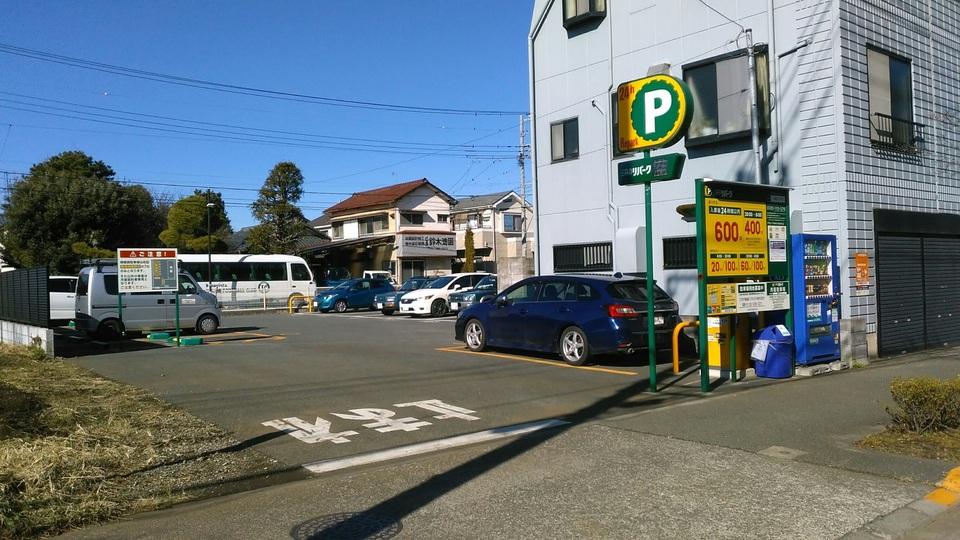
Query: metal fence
x=24, y=297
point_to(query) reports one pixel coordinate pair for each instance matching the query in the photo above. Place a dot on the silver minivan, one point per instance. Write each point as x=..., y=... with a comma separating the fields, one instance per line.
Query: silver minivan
x=97, y=312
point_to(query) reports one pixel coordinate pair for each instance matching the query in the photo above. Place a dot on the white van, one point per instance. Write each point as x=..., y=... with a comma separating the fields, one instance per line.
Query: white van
x=97, y=314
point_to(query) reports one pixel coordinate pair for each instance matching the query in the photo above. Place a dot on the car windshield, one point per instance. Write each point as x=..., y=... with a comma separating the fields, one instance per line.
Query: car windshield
x=439, y=283
x=488, y=283
x=344, y=286
x=636, y=291
x=412, y=284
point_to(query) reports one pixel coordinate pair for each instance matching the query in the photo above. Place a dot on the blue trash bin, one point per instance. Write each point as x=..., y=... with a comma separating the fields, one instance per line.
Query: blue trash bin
x=772, y=352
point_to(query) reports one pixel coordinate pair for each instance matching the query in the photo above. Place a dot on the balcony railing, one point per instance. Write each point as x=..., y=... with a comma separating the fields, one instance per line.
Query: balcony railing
x=896, y=134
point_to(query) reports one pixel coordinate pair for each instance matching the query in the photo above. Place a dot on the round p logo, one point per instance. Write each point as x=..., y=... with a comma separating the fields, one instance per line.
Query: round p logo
x=653, y=112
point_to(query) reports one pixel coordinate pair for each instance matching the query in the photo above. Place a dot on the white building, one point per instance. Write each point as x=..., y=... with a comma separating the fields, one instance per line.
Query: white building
x=859, y=107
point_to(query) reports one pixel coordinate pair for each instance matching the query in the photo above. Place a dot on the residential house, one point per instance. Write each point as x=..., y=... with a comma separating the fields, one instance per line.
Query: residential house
x=502, y=228
x=403, y=228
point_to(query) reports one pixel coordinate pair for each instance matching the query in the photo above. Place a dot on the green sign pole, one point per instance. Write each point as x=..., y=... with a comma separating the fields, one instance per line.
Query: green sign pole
x=176, y=300
x=651, y=334
x=702, y=287
x=119, y=300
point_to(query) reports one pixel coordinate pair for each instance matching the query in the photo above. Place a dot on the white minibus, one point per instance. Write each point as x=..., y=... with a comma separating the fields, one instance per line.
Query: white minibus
x=250, y=280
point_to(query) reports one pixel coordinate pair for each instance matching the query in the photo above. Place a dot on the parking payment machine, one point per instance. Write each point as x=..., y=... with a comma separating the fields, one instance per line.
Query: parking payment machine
x=816, y=298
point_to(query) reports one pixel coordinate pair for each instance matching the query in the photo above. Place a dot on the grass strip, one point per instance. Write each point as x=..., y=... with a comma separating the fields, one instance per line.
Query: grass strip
x=76, y=449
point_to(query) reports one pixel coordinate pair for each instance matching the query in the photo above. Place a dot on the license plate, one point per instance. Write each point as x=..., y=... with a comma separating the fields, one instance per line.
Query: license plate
x=379, y=305
x=454, y=305
x=658, y=319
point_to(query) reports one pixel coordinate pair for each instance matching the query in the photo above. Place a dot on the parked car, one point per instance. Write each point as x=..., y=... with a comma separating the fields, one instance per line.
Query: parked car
x=351, y=294
x=432, y=298
x=62, y=291
x=97, y=314
x=387, y=302
x=486, y=288
x=331, y=277
x=574, y=316
x=379, y=274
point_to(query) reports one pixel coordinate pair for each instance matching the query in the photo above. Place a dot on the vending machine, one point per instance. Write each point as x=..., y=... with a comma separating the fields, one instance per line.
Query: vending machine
x=816, y=298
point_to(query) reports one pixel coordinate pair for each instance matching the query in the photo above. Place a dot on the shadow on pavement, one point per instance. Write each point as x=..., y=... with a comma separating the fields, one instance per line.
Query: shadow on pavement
x=405, y=503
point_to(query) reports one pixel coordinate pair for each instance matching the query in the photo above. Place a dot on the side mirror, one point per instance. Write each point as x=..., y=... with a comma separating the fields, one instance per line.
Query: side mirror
x=502, y=301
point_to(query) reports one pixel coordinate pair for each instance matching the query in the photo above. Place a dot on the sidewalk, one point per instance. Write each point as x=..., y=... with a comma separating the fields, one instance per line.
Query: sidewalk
x=771, y=461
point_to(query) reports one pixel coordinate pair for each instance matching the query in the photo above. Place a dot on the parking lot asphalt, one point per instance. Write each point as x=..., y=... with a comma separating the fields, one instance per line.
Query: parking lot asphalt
x=341, y=385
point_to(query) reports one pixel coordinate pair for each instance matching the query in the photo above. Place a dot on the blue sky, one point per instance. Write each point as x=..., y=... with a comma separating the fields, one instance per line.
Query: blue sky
x=467, y=55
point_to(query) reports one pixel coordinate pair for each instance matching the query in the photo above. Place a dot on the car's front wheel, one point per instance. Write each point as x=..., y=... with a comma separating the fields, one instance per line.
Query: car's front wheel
x=340, y=306
x=438, y=308
x=475, y=335
x=207, y=324
x=574, y=348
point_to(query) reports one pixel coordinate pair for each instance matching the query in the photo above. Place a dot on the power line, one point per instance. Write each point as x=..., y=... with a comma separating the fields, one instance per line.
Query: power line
x=238, y=89
x=352, y=140
x=711, y=8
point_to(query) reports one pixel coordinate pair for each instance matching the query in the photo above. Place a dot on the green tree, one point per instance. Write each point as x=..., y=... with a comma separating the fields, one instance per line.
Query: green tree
x=187, y=224
x=468, y=251
x=281, y=221
x=71, y=198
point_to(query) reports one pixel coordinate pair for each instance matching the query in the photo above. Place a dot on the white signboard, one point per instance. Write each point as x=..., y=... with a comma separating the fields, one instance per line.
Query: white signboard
x=766, y=296
x=146, y=270
x=426, y=245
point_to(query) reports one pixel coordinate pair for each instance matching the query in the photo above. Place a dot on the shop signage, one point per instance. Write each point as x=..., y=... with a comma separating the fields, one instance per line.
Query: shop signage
x=652, y=112
x=862, y=281
x=146, y=270
x=654, y=169
x=745, y=231
x=730, y=298
x=426, y=245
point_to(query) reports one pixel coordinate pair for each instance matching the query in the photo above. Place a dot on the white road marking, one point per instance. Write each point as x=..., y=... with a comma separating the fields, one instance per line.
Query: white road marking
x=329, y=465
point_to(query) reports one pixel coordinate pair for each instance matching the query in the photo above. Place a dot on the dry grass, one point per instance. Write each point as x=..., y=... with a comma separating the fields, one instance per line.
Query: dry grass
x=76, y=448
x=943, y=445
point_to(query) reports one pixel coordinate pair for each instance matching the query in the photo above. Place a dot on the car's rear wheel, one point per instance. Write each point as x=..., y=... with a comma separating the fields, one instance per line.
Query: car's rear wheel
x=340, y=306
x=387, y=311
x=110, y=330
x=574, y=348
x=438, y=308
x=475, y=335
x=207, y=324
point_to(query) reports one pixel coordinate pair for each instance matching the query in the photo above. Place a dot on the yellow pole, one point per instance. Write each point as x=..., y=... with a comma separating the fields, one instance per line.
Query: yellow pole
x=676, y=343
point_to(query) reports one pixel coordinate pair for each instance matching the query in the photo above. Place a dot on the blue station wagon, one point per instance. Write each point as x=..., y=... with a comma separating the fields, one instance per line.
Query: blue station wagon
x=351, y=294
x=574, y=316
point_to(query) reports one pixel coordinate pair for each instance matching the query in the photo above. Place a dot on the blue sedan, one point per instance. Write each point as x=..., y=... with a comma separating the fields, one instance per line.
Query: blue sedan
x=574, y=316
x=353, y=293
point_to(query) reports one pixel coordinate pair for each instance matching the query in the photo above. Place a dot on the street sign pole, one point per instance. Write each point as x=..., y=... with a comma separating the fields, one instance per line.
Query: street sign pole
x=651, y=334
x=702, y=288
x=176, y=300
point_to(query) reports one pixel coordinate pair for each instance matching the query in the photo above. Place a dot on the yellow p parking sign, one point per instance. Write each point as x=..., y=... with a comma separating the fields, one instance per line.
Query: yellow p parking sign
x=652, y=112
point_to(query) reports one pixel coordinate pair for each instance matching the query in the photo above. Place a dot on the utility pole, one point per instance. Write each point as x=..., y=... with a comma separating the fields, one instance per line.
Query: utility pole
x=754, y=116
x=522, y=159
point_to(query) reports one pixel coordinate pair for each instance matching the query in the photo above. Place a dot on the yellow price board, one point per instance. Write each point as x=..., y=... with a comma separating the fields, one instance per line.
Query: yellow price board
x=736, y=238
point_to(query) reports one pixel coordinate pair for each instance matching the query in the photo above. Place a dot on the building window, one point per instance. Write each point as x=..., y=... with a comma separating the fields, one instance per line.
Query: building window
x=578, y=11
x=596, y=257
x=337, y=229
x=564, y=140
x=411, y=218
x=891, y=102
x=443, y=218
x=721, y=95
x=512, y=223
x=680, y=253
x=372, y=225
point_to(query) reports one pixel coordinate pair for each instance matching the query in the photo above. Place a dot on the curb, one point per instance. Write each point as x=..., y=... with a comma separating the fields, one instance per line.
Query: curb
x=914, y=515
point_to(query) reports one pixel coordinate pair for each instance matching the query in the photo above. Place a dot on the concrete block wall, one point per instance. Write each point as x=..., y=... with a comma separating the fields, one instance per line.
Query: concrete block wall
x=23, y=334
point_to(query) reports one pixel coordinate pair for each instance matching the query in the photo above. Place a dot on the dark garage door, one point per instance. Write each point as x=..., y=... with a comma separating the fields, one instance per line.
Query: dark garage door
x=900, y=292
x=941, y=280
